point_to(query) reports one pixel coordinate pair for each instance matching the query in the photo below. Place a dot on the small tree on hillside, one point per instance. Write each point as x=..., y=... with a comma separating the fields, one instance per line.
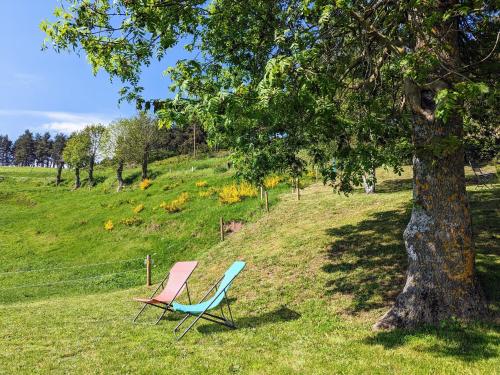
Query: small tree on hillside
x=141, y=140
x=57, y=154
x=95, y=134
x=115, y=146
x=76, y=153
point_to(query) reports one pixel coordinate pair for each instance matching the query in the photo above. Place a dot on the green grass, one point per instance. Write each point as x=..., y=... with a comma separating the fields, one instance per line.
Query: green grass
x=319, y=273
x=49, y=230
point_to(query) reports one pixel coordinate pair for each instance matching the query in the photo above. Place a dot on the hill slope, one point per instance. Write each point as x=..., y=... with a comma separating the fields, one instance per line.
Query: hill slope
x=58, y=234
x=319, y=273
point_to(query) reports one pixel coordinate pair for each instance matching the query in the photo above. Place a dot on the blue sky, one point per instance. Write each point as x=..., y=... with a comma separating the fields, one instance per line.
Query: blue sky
x=44, y=91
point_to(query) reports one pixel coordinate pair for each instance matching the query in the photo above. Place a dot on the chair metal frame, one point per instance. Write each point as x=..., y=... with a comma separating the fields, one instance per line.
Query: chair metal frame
x=164, y=306
x=222, y=320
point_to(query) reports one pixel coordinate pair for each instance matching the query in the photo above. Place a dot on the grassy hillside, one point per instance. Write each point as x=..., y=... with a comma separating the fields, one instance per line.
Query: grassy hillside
x=319, y=273
x=55, y=232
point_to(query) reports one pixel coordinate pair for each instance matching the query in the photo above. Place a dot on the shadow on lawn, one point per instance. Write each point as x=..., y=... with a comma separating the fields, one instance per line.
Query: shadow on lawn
x=368, y=263
x=282, y=314
x=469, y=343
x=367, y=260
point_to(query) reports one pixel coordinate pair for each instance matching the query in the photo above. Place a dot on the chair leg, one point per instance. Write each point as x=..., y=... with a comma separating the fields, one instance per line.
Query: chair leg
x=181, y=322
x=140, y=312
x=189, y=327
x=161, y=316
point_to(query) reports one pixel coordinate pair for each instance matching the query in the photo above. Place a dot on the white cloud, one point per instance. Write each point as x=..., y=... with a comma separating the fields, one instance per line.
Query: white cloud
x=55, y=121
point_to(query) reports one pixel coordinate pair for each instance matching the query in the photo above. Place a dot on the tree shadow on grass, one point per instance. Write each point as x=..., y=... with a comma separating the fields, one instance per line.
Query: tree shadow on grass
x=468, y=343
x=486, y=228
x=392, y=186
x=367, y=261
x=282, y=314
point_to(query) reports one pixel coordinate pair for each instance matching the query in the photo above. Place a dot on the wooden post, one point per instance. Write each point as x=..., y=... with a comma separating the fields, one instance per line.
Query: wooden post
x=222, y=228
x=298, y=188
x=148, y=270
x=267, y=200
x=261, y=192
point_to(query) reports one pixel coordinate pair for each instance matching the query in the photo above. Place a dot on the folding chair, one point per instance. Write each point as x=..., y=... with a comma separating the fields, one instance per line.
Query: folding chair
x=177, y=281
x=200, y=310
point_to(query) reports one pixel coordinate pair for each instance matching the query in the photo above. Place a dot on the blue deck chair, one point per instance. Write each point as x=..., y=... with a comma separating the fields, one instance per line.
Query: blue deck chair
x=200, y=310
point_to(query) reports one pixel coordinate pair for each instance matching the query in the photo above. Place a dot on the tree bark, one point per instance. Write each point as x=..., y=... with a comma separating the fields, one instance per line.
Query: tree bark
x=60, y=166
x=369, y=183
x=119, y=175
x=145, y=165
x=441, y=279
x=91, y=171
x=77, y=178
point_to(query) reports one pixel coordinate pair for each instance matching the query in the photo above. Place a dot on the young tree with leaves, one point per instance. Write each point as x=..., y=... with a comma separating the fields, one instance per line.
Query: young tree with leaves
x=95, y=134
x=278, y=77
x=116, y=139
x=57, y=154
x=76, y=153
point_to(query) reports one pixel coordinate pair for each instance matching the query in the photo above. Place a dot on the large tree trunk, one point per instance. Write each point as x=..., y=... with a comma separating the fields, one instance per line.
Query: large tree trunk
x=441, y=280
x=77, y=178
x=145, y=166
x=60, y=166
x=91, y=171
x=119, y=175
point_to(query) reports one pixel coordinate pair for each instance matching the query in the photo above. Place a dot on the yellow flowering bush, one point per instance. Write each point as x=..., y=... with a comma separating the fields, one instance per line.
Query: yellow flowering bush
x=271, y=182
x=138, y=208
x=201, y=184
x=130, y=221
x=229, y=194
x=177, y=204
x=108, y=225
x=235, y=193
x=208, y=193
x=145, y=184
x=247, y=190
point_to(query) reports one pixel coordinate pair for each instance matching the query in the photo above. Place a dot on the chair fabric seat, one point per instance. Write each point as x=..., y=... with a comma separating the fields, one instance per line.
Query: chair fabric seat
x=219, y=295
x=193, y=309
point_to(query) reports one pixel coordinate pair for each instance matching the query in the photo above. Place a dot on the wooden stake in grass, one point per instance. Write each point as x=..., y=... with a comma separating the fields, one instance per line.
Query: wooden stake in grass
x=148, y=270
x=222, y=228
x=297, y=187
x=261, y=192
x=267, y=200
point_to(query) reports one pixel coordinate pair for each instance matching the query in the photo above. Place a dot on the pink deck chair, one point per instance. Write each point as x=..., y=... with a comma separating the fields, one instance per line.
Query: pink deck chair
x=176, y=281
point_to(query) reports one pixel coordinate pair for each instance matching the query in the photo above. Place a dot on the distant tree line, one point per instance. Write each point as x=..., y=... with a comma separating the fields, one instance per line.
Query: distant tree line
x=132, y=141
x=32, y=150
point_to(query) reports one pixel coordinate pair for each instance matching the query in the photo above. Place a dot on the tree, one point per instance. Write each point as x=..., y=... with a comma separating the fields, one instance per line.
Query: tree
x=5, y=150
x=24, y=154
x=95, y=134
x=141, y=140
x=275, y=78
x=116, y=140
x=76, y=153
x=57, y=154
x=42, y=145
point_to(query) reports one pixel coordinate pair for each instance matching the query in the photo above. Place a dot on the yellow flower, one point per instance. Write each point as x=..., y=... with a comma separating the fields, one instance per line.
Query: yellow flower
x=271, y=182
x=108, y=225
x=201, y=184
x=145, y=184
x=138, y=208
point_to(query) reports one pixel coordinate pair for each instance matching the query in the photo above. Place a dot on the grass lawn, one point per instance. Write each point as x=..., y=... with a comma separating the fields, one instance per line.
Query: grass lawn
x=319, y=274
